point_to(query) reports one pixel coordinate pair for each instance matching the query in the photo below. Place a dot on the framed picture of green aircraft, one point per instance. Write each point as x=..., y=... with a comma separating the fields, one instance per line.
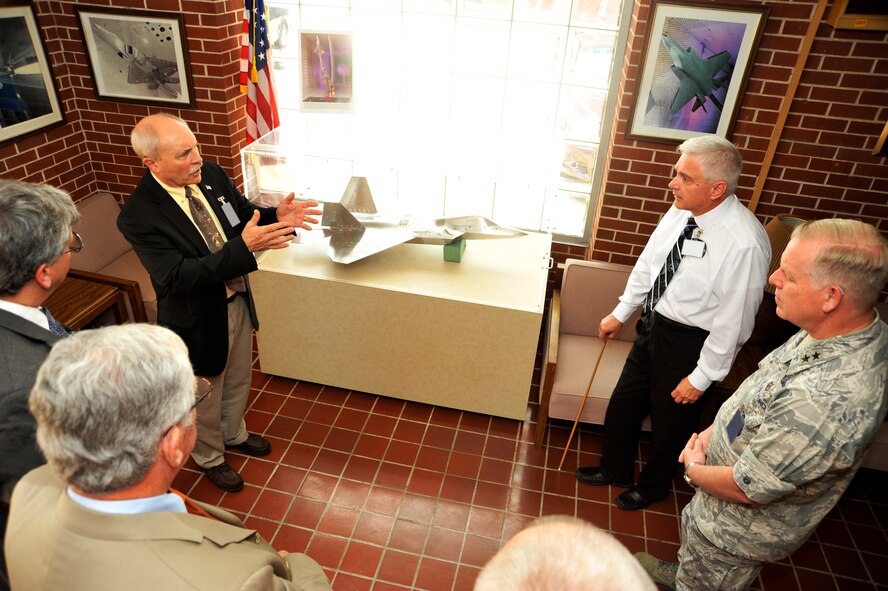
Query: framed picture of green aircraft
x=695, y=64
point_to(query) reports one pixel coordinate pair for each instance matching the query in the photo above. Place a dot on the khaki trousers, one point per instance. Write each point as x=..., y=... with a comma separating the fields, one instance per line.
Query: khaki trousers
x=220, y=417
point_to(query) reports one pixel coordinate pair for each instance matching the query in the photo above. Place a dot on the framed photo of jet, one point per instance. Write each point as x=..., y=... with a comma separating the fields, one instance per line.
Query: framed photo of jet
x=28, y=99
x=137, y=56
x=696, y=62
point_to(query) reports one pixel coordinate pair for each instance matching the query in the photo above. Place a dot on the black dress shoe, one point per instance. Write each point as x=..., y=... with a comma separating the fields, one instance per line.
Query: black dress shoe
x=593, y=475
x=631, y=500
x=224, y=477
x=254, y=445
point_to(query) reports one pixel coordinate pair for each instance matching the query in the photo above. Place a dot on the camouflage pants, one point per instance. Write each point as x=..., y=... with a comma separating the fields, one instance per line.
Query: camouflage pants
x=705, y=567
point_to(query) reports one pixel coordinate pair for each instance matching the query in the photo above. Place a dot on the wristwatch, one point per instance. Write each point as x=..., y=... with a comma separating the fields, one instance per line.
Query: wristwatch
x=687, y=477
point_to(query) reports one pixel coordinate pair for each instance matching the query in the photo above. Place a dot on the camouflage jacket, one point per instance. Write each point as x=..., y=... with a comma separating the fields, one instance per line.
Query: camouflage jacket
x=809, y=414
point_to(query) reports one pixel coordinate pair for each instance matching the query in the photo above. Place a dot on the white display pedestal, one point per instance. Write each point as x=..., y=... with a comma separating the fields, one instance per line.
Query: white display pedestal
x=406, y=324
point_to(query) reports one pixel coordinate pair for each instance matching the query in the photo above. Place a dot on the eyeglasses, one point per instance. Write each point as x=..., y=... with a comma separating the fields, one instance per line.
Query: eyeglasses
x=77, y=247
x=202, y=389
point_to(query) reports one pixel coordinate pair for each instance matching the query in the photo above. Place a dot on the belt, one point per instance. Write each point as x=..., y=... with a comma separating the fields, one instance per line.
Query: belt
x=654, y=318
x=233, y=296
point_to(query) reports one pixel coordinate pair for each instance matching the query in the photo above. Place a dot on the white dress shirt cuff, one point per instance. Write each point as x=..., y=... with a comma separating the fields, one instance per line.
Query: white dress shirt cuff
x=623, y=311
x=699, y=380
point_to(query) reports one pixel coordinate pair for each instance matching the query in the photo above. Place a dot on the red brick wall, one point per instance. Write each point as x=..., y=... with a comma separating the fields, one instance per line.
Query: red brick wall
x=91, y=151
x=822, y=168
x=823, y=165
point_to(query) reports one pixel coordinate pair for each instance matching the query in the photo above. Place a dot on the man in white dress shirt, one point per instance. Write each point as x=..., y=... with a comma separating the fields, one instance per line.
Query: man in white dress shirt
x=697, y=315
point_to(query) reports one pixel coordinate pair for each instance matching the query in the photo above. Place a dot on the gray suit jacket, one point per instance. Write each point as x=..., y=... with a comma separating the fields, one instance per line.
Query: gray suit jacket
x=23, y=348
x=53, y=543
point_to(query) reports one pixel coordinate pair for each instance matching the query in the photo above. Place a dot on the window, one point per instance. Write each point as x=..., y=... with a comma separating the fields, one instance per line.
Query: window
x=488, y=107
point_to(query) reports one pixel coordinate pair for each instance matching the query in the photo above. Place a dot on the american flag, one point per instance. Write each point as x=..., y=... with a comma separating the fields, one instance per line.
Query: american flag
x=256, y=78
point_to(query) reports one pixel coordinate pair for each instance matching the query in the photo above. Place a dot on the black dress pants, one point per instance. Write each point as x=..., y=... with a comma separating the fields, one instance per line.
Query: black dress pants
x=664, y=352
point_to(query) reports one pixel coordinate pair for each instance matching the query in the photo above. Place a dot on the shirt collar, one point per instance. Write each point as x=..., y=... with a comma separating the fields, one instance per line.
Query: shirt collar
x=177, y=193
x=797, y=351
x=713, y=216
x=164, y=502
x=29, y=313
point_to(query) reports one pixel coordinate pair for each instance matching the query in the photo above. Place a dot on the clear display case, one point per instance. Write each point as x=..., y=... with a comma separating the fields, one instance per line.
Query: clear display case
x=404, y=322
x=282, y=162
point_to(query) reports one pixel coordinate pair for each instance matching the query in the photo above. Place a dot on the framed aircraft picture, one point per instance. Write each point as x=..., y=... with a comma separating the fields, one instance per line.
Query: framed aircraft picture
x=28, y=99
x=696, y=61
x=137, y=56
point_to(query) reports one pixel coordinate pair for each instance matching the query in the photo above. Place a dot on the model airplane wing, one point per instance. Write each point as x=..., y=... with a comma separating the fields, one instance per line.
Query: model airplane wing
x=357, y=231
x=351, y=240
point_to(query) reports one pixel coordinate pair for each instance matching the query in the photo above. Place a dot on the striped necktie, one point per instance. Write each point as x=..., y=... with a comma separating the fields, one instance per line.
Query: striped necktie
x=673, y=260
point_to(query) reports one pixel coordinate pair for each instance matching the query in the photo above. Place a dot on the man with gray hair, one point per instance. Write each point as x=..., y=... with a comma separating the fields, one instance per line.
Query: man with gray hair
x=559, y=553
x=700, y=280
x=35, y=245
x=115, y=410
x=783, y=449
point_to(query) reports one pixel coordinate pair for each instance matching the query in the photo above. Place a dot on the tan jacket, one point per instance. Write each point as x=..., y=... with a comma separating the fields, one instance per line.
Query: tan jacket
x=53, y=543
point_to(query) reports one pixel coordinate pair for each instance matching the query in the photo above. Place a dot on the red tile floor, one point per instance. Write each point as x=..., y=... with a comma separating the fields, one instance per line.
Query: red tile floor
x=387, y=494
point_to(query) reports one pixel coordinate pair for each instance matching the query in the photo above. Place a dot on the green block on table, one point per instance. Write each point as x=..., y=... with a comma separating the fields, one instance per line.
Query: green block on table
x=453, y=251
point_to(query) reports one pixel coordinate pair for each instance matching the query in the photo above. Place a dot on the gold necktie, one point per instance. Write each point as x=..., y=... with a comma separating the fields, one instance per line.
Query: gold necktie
x=210, y=233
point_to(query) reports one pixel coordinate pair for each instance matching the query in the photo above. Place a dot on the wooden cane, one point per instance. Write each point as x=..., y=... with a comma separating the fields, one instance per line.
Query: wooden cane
x=583, y=405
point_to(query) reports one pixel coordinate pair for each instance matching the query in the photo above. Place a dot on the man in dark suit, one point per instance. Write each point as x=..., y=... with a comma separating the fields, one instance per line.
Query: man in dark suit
x=115, y=417
x=196, y=234
x=35, y=245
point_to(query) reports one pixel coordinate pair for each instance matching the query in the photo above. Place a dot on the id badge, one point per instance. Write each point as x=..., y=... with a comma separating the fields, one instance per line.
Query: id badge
x=228, y=210
x=693, y=248
x=735, y=427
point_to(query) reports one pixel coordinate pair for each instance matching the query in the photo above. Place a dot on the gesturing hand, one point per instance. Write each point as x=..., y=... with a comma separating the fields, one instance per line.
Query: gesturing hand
x=296, y=213
x=268, y=237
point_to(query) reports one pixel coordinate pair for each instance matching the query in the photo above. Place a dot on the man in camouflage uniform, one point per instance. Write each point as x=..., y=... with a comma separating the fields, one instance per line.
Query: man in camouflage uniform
x=784, y=447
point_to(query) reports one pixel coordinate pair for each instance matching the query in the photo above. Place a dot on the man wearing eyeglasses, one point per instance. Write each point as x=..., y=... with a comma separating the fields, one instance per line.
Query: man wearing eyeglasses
x=115, y=410
x=35, y=242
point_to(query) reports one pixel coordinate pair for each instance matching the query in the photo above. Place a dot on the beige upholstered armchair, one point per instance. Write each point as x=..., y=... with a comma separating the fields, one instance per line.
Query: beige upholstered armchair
x=108, y=258
x=589, y=292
